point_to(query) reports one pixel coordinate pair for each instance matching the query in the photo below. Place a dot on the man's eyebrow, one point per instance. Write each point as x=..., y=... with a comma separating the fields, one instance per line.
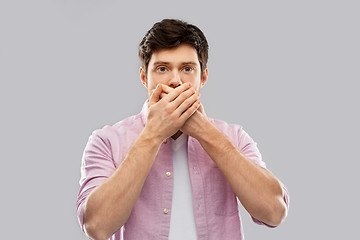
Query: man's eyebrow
x=160, y=63
x=189, y=63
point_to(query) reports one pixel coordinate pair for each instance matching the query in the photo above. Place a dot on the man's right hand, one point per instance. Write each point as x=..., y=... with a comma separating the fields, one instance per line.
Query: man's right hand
x=168, y=114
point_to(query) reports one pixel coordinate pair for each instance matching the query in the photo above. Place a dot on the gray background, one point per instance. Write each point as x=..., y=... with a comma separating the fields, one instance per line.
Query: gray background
x=288, y=71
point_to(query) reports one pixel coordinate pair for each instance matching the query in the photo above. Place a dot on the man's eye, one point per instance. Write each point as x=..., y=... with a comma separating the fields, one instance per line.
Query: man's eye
x=161, y=69
x=187, y=69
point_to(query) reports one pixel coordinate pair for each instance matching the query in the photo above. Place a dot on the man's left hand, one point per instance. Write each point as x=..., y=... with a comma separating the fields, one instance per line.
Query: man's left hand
x=195, y=125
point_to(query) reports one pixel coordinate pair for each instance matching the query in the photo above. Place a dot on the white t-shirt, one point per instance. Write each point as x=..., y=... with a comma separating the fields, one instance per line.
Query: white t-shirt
x=182, y=223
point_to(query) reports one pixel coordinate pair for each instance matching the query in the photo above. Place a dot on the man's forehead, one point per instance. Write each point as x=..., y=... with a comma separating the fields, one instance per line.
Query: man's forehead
x=180, y=55
x=169, y=63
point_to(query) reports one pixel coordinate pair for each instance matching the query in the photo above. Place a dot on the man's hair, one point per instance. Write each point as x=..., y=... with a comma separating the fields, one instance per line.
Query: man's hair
x=171, y=33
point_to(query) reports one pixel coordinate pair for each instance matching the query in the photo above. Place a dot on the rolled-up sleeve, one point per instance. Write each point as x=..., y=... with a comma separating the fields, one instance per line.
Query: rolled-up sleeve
x=96, y=166
x=249, y=148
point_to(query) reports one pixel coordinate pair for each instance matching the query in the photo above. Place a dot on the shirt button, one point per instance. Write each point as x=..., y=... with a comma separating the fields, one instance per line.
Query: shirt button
x=165, y=140
x=166, y=210
x=168, y=174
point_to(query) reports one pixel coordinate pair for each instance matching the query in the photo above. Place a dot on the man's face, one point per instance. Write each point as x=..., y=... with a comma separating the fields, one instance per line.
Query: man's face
x=173, y=67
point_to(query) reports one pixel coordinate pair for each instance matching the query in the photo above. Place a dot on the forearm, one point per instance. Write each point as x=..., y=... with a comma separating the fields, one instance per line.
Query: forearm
x=109, y=205
x=258, y=190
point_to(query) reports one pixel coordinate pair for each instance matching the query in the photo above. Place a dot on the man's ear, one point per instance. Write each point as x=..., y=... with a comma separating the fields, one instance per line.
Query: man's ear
x=204, y=78
x=143, y=77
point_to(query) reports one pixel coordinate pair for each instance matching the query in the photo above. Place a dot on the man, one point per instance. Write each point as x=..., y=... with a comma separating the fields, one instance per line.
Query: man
x=171, y=172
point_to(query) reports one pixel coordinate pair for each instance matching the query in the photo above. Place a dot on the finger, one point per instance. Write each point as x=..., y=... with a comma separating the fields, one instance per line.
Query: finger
x=187, y=103
x=167, y=89
x=190, y=111
x=162, y=95
x=155, y=96
x=177, y=91
x=187, y=97
x=201, y=109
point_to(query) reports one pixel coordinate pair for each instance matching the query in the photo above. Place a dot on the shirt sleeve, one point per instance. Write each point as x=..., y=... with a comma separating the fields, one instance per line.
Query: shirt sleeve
x=96, y=166
x=249, y=148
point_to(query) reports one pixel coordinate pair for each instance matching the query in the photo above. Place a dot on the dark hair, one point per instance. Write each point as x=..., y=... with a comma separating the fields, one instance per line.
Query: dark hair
x=171, y=33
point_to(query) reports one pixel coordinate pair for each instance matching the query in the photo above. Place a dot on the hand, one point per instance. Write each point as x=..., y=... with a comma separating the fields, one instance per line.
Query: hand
x=168, y=113
x=196, y=122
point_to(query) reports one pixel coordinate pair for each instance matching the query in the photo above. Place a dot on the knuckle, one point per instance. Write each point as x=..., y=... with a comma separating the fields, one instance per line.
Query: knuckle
x=179, y=90
x=189, y=101
x=180, y=95
x=184, y=86
x=168, y=109
x=189, y=92
x=173, y=117
x=178, y=122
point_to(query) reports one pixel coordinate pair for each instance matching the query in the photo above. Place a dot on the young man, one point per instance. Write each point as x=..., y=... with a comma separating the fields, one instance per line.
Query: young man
x=171, y=172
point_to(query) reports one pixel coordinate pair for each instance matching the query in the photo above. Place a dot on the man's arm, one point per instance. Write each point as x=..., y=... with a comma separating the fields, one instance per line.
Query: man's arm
x=259, y=191
x=109, y=206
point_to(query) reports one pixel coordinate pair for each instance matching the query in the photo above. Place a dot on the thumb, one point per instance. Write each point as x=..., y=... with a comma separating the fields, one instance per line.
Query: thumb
x=155, y=96
x=201, y=109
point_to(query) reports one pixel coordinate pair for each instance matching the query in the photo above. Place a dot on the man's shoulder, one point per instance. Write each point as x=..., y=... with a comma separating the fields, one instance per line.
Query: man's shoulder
x=123, y=128
x=224, y=126
x=234, y=132
x=129, y=123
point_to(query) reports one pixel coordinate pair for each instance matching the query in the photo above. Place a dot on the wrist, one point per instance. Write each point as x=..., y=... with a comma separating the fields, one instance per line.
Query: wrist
x=151, y=136
x=202, y=131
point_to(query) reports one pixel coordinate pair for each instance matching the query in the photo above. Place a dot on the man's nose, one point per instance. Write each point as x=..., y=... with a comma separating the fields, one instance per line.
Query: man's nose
x=175, y=80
